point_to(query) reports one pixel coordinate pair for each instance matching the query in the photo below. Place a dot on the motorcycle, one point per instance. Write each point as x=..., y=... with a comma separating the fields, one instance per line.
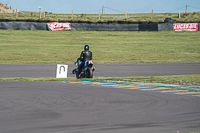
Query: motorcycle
x=86, y=71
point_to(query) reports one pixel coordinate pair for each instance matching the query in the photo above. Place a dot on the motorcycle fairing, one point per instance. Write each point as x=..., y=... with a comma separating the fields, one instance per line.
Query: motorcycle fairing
x=87, y=63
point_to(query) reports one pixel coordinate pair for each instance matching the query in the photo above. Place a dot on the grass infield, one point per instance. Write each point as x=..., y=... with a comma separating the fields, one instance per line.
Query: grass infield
x=18, y=46
x=187, y=80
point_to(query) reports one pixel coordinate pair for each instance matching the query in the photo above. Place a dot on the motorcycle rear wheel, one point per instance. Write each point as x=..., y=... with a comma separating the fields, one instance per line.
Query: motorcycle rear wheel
x=89, y=73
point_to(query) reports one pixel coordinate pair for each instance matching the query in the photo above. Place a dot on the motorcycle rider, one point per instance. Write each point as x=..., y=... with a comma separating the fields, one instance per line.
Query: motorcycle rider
x=86, y=55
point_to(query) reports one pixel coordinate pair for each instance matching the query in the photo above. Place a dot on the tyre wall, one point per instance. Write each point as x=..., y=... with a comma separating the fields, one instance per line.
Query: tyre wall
x=23, y=25
x=104, y=26
x=165, y=27
x=198, y=26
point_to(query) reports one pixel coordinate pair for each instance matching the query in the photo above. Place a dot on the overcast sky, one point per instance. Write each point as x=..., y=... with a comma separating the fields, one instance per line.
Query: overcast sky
x=110, y=6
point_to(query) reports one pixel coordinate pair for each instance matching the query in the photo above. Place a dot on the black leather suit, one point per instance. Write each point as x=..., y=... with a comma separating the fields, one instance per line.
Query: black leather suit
x=85, y=56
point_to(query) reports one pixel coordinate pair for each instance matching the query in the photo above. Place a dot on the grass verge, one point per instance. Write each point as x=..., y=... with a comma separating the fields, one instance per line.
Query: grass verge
x=107, y=46
x=187, y=80
x=141, y=17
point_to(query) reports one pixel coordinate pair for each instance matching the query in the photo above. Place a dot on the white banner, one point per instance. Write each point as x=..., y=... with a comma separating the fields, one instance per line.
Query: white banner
x=61, y=71
x=185, y=26
x=54, y=26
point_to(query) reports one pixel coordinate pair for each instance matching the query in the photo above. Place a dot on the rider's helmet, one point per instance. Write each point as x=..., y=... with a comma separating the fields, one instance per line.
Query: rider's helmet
x=86, y=47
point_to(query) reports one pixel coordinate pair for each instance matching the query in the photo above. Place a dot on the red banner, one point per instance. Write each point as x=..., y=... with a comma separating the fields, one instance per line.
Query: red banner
x=185, y=26
x=54, y=26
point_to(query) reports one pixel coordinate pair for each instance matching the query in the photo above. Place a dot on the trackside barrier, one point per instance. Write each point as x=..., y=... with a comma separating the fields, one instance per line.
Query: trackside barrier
x=93, y=26
x=198, y=26
x=165, y=27
x=23, y=26
x=104, y=27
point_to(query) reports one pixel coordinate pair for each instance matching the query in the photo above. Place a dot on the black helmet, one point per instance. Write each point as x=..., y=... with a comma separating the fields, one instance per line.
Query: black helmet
x=86, y=47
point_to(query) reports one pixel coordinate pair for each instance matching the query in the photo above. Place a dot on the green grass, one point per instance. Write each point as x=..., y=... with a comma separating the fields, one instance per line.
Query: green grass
x=193, y=79
x=107, y=46
x=145, y=17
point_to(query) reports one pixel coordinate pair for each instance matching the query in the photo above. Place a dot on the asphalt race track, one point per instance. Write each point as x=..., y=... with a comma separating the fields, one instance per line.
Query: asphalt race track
x=104, y=70
x=57, y=107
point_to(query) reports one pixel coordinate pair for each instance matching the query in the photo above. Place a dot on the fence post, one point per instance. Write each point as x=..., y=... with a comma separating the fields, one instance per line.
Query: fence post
x=179, y=13
x=17, y=12
x=72, y=14
x=152, y=14
x=99, y=13
x=40, y=11
x=126, y=14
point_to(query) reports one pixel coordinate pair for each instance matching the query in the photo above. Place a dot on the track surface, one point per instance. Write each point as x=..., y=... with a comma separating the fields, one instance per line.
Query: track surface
x=105, y=70
x=56, y=107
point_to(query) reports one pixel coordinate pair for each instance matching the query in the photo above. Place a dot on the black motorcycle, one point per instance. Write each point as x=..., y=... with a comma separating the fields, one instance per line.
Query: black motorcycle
x=86, y=71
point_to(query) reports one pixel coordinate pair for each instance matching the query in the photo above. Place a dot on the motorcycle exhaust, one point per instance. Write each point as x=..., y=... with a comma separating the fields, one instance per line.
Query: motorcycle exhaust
x=94, y=68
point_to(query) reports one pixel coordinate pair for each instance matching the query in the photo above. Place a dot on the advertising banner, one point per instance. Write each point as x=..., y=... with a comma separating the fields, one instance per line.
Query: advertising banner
x=54, y=26
x=185, y=26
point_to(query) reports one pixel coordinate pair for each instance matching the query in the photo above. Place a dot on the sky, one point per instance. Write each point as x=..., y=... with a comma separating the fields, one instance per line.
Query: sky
x=110, y=6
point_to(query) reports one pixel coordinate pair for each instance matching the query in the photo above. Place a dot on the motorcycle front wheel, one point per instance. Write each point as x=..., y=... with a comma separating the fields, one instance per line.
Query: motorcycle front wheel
x=77, y=75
